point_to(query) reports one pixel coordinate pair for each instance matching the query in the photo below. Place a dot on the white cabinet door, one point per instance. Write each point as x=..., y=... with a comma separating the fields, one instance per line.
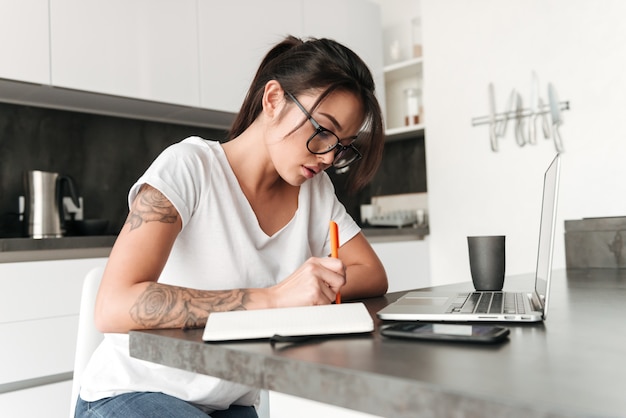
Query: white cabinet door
x=42, y=289
x=50, y=401
x=234, y=37
x=354, y=23
x=284, y=406
x=144, y=49
x=37, y=349
x=407, y=264
x=24, y=45
x=39, y=304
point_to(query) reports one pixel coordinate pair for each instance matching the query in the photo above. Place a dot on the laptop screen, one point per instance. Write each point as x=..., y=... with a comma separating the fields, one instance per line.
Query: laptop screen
x=546, y=230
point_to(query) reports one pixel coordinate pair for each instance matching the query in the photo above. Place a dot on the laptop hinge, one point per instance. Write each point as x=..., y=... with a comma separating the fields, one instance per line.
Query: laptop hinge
x=536, y=302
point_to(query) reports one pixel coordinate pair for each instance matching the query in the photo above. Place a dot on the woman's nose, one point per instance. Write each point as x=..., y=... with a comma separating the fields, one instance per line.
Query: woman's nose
x=327, y=158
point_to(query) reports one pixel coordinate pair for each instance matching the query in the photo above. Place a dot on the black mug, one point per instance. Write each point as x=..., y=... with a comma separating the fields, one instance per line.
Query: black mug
x=487, y=261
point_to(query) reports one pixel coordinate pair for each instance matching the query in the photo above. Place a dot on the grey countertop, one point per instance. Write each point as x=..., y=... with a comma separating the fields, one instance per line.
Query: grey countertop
x=27, y=249
x=567, y=366
x=376, y=235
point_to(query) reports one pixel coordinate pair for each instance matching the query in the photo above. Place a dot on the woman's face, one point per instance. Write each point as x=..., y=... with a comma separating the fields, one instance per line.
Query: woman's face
x=340, y=112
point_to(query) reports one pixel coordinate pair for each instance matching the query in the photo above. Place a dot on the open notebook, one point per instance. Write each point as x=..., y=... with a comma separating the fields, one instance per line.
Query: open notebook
x=344, y=318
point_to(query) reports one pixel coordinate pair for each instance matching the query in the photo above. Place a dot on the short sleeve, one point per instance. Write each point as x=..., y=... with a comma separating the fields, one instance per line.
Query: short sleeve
x=177, y=173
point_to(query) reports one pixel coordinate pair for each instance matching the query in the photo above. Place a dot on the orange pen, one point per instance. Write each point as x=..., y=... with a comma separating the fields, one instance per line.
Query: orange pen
x=334, y=249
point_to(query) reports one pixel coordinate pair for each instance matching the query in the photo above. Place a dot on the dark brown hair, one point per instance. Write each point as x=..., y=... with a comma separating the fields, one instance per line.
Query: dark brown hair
x=320, y=64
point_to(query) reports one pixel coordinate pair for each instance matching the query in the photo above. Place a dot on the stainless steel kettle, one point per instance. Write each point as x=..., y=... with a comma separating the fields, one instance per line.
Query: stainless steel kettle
x=44, y=212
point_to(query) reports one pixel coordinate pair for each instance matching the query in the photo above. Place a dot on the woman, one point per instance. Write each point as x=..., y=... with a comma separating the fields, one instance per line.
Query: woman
x=240, y=225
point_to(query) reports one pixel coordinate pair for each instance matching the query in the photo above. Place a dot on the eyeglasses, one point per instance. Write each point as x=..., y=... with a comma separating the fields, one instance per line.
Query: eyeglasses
x=324, y=141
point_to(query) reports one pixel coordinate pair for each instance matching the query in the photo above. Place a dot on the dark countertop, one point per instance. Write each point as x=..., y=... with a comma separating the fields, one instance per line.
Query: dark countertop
x=377, y=235
x=570, y=365
x=28, y=249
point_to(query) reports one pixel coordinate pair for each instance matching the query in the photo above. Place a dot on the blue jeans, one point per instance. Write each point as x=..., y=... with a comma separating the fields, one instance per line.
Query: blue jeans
x=153, y=405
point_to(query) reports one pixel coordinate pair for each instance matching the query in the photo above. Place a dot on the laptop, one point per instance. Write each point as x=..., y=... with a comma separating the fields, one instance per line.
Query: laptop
x=505, y=306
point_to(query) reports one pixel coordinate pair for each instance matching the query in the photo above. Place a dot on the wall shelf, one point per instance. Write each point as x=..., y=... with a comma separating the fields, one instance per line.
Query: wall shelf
x=402, y=69
x=399, y=77
x=404, y=132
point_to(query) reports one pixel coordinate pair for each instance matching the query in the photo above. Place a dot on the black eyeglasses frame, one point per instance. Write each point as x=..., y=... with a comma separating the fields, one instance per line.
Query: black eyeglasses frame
x=339, y=148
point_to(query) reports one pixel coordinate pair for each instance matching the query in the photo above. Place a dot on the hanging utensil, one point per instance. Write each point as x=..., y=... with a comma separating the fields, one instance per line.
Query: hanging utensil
x=545, y=124
x=557, y=119
x=534, y=109
x=493, y=138
x=519, y=121
x=510, y=107
x=539, y=111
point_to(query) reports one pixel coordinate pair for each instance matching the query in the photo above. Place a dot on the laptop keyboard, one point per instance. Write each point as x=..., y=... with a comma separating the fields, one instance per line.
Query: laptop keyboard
x=489, y=303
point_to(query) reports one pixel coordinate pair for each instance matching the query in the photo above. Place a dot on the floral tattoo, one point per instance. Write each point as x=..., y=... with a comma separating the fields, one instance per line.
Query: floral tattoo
x=167, y=306
x=151, y=206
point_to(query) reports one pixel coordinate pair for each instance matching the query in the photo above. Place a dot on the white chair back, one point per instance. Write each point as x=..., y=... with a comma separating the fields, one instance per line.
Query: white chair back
x=88, y=336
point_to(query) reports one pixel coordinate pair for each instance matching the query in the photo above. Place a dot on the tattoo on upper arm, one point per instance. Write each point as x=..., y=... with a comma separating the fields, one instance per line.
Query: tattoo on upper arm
x=151, y=205
x=164, y=306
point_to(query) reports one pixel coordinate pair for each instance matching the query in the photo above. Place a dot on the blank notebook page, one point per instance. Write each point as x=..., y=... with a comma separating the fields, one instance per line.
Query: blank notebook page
x=344, y=318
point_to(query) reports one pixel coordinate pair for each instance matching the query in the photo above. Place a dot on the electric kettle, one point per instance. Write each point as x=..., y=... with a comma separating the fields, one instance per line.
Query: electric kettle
x=44, y=211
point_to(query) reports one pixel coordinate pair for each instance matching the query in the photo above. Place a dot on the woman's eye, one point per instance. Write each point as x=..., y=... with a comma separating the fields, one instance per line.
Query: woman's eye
x=326, y=136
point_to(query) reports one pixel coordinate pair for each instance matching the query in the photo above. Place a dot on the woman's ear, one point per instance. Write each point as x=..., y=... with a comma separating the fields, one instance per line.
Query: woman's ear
x=273, y=99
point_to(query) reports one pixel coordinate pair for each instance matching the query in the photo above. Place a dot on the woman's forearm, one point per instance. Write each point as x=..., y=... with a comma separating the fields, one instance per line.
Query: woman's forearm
x=364, y=281
x=164, y=306
x=160, y=305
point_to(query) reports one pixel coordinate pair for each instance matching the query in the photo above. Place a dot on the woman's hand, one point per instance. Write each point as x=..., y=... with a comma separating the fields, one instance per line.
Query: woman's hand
x=316, y=282
x=358, y=273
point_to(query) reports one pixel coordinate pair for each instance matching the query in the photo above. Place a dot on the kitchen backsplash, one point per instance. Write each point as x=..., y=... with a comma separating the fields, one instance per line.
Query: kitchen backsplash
x=105, y=155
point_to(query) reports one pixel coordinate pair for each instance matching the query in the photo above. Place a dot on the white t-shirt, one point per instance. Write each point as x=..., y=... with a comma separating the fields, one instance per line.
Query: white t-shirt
x=220, y=246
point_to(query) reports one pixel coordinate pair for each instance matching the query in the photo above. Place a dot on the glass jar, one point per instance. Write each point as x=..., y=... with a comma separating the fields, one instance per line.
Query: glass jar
x=411, y=107
x=416, y=37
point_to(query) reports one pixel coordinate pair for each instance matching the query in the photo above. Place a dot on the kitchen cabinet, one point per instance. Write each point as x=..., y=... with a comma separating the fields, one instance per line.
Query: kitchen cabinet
x=407, y=263
x=144, y=49
x=24, y=48
x=354, y=23
x=233, y=40
x=227, y=68
x=308, y=409
x=51, y=401
x=189, y=61
x=39, y=304
x=337, y=20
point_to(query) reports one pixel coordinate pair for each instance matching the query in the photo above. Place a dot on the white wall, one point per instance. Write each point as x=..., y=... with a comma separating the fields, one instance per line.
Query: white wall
x=579, y=45
x=394, y=12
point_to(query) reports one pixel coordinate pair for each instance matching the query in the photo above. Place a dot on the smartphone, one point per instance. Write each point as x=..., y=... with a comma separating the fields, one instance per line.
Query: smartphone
x=485, y=334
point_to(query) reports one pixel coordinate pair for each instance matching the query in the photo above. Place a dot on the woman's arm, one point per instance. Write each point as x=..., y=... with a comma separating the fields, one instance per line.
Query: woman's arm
x=130, y=297
x=365, y=274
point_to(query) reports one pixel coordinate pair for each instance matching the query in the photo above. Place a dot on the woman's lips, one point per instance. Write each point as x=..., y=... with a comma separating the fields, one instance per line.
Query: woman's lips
x=310, y=172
